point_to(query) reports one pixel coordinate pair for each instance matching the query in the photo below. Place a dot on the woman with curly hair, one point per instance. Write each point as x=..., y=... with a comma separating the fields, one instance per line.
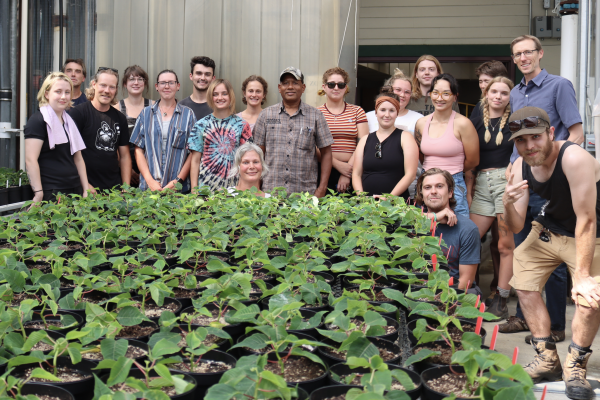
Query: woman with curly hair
x=495, y=150
x=254, y=90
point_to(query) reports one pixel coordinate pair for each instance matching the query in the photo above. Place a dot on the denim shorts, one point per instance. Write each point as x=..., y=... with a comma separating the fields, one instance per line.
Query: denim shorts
x=460, y=194
x=487, y=196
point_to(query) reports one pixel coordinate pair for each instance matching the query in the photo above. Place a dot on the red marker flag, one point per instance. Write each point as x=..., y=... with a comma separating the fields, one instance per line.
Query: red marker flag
x=494, y=336
x=451, y=281
x=544, y=392
x=479, y=319
x=515, y=355
x=434, y=261
x=482, y=307
x=440, y=241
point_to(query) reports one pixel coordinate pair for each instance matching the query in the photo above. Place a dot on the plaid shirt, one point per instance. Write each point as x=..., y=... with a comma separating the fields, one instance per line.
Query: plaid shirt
x=147, y=134
x=290, y=143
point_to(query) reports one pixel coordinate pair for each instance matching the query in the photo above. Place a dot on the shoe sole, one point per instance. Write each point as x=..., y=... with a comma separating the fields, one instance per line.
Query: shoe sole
x=522, y=330
x=572, y=394
x=551, y=378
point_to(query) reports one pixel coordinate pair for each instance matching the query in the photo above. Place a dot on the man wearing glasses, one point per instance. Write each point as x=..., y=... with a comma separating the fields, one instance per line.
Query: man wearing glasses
x=289, y=133
x=104, y=131
x=556, y=96
x=568, y=177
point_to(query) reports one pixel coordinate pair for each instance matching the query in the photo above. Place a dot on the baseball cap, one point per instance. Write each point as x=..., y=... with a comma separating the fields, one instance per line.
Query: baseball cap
x=295, y=72
x=527, y=112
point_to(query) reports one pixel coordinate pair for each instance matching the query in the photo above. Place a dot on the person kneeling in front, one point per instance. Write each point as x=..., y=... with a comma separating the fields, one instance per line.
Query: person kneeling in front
x=435, y=189
x=565, y=231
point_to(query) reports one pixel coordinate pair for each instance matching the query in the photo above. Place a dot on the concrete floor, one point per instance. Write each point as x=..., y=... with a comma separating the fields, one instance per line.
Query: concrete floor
x=506, y=342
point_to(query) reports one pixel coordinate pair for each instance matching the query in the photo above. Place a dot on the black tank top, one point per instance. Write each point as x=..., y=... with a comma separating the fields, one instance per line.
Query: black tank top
x=381, y=175
x=131, y=123
x=558, y=214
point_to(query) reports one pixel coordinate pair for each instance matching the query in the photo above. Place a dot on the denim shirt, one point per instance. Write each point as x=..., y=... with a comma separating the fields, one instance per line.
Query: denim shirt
x=553, y=94
x=164, y=166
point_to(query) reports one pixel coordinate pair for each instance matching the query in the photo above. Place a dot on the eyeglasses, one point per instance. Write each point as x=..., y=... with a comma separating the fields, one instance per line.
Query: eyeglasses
x=527, y=123
x=445, y=95
x=134, y=79
x=331, y=85
x=169, y=83
x=526, y=53
x=378, y=150
x=116, y=71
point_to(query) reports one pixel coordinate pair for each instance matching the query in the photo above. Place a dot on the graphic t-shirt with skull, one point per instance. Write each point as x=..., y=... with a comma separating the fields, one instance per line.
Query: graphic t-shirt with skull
x=103, y=133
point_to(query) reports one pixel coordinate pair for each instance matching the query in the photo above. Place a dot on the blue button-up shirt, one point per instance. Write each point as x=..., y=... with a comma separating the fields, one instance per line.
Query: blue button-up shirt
x=552, y=93
x=147, y=134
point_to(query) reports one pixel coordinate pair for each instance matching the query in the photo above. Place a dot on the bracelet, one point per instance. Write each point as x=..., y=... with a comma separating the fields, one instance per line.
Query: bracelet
x=38, y=191
x=434, y=217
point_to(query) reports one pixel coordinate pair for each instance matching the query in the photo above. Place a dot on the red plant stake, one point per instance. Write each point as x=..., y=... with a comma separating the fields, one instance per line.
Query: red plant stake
x=440, y=241
x=434, y=226
x=494, y=335
x=544, y=392
x=515, y=355
x=434, y=261
x=482, y=307
x=451, y=281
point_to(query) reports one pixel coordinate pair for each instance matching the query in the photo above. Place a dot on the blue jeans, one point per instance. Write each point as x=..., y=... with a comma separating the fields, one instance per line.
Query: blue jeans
x=460, y=194
x=556, y=287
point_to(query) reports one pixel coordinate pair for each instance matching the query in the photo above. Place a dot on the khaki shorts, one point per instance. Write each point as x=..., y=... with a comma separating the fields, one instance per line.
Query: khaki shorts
x=534, y=260
x=488, y=191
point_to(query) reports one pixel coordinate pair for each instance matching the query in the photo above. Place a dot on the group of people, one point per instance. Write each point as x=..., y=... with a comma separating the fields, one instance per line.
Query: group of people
x=511, y=167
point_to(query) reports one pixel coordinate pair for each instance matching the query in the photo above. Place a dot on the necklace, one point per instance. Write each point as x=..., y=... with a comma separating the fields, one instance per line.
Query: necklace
x=165, y=112
x=497, y=123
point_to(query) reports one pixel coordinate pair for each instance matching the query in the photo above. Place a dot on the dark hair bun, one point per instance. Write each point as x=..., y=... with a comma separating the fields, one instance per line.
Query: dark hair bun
x=386, y=90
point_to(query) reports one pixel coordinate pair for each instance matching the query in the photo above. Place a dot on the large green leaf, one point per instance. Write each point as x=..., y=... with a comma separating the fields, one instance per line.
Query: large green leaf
x=362, y=347
x=43, y=374
x=164, y=347
x=420, y=356
x=255, y=342
x=15, y=279
x=221, y=392
x=120, y=371
x=129, y=316
x=113, y=349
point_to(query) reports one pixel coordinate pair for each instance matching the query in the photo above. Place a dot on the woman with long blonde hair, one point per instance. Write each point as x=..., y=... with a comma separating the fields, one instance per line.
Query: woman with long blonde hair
x=486, y=207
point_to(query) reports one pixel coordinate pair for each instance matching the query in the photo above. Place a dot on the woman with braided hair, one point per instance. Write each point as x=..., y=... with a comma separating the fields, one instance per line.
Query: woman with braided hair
x=495, y=150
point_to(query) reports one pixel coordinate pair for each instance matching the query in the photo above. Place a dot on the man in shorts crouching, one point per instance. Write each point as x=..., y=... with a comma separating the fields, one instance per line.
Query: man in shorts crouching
x=567, y=177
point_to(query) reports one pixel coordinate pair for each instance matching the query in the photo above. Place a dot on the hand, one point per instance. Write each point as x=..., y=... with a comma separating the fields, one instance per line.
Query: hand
x=92, y=190
x=37, y=197
x=379, y=197
x=586, y=287
x=135, y=178
x=508, y=171
x=85, y=194
x=343, y=184
x=154, y=186
x=513, y=192
x=345, y=169
x=446, y=216
x=321, y=192
x=170, y=186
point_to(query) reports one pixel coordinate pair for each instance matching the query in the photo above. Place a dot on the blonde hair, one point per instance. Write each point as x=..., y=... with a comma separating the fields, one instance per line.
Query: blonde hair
x=335, y=71
x=91, y=92
x=50, y=80
x=398, y=76
x=228, y=86
x=416, y=87
x=485, y=109
x=536, y=41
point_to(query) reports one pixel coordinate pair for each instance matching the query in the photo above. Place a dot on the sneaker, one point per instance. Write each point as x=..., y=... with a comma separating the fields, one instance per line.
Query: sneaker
x=577, y=387
x=557, y=336
x=498, y=307
x=545, y=364
x=515, y=324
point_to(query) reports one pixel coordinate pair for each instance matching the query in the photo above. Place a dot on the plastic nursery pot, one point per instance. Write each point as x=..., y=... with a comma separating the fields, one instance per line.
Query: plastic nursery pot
x=413, y=324
x=234, y=330
x=185, y=296
x=136, y=373
x=222, y=344
x=80, y=389
x=243, y=351
x=437, y=372
x=46, y=390
x=52, y=334
x=124, y=334
x=338, y=370
x=308, y=385
x=205, y=380
x=14, y=195
x=168, y=301
x=384, y=346
x=95, y=296
x=427, y=363
x=327, y=392
x=26, y=193
x=37, y=319
x=388, y=336
x=131, y=342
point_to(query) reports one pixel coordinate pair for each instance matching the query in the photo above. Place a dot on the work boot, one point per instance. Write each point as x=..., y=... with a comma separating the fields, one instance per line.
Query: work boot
x=574, y=375
x=557, y=336
x=498, y=307
x=545, y=364
x=514, y=324
x=488, y=301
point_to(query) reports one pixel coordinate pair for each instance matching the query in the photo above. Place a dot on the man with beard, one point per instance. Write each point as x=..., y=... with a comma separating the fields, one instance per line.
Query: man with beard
x=565, y=231
x=104, y=131
x=203, y=73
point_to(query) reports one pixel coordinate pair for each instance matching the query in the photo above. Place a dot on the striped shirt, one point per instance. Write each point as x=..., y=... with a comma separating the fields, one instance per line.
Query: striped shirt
x=344, y=127
x=147, y=135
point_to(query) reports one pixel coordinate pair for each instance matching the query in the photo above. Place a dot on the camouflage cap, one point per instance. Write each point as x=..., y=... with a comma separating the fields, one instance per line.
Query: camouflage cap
x=295, y=72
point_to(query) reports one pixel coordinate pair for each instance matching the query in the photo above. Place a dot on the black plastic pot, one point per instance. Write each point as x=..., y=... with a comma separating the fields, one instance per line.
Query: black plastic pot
x=144, y=338
x=331, y=359
x=26, y=193
x=436, y=372
x=136, y=373
x=234, y=330
x=187, y=301
x=80, y=389
x=413, y=324
x=309, y=385
x=36, y=317
x=52, y=334
x=343, y=369
x=14, y=194
x=330, y=391
x=241, y=351
x=389, y=336
x=168, y=300
x=205, y=381
x=46, y=390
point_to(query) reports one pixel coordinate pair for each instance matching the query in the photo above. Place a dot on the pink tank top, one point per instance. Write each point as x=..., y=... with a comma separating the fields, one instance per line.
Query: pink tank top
x=446, y=152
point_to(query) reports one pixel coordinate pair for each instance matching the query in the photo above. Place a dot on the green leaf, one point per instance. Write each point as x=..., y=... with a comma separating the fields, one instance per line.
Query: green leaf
x=255, y=342
x=120, y=371
x=75, y=354
x=21, y=360
x=404, y=379
x=163, y=347
x=155, y=394
x=471, y=341
x=129, y=316
x=113, y=349
x=15, y=279
x=420, y=356
x=33, y=339
x=362, y=347
x=221, y=391
x=100, y=388
x=43, y=374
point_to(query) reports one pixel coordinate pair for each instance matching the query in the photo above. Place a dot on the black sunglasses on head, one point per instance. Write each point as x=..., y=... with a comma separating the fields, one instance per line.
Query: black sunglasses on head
x=527, y=123
x=107, y=68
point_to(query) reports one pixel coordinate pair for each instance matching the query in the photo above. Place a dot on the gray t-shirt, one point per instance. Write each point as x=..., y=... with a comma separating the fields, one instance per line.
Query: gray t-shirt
x=165, y=133
x=463, y=245
x=200, y=110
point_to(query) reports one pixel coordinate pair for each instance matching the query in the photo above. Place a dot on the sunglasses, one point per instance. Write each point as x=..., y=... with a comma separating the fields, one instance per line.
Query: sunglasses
x=378, y=150
x=116, y=71
x=340, y=85
x=527, y=123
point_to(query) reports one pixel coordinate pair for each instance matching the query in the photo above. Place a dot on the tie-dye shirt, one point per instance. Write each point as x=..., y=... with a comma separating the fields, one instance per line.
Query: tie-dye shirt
x=217, y=140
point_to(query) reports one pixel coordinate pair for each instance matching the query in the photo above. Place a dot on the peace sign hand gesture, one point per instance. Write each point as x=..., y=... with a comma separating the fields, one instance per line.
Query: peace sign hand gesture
x=514, y=191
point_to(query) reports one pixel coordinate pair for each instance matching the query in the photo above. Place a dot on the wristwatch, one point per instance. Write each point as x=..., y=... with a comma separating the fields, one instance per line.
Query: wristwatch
x=179, y=180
